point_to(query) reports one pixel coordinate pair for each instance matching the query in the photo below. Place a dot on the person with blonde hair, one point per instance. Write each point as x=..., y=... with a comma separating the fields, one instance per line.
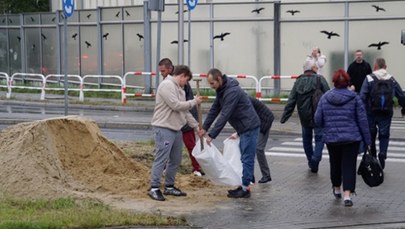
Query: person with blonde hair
x=317, y=59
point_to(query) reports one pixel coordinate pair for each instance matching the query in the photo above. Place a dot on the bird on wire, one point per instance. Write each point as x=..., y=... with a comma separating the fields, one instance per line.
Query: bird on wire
x=88, y=44
x=74, y=36
x=257, y=10
x=378, y=45
x=32, y=19
x=292, y=12
x=377, y=8
x=127, y=13
x=140, y=36
x=330, y=34
x=88, y=16
x=117, y=14
x=43, y=36
x=53, y=19
x=222, y=36
x=19, y=38
x=176, y=42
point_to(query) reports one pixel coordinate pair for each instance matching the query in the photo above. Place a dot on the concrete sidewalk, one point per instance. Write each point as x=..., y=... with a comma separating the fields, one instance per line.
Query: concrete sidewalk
x=295, y=198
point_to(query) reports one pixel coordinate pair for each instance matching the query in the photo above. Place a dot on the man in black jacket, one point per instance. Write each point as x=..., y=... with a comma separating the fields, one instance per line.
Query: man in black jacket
x=232, y=105
x=358, y=70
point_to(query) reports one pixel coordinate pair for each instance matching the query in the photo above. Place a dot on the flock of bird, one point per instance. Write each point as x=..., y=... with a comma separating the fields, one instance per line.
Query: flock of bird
x=221, y=36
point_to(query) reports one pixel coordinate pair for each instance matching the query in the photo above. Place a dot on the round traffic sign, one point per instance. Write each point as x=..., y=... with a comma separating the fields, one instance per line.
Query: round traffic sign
x=68, y=7
x=192, y=4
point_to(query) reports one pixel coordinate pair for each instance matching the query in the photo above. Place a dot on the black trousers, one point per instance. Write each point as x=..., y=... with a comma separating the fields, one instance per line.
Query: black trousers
x=343, y=164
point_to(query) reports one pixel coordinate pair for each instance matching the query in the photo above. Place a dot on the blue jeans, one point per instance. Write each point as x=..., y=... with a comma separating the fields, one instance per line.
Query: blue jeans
x=382, y=125
x=314, y=156
x=247, y=145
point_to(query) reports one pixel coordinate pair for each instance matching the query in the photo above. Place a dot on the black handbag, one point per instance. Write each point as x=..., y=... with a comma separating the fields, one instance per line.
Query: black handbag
x=370, y=170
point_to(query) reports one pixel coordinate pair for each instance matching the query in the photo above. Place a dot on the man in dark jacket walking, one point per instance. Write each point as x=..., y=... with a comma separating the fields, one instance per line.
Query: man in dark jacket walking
x=232, y=105
x=301, y=95
x=380, y=121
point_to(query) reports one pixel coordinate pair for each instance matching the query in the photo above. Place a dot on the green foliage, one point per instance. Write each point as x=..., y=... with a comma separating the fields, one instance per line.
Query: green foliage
x=25, y=6
x=71, y=213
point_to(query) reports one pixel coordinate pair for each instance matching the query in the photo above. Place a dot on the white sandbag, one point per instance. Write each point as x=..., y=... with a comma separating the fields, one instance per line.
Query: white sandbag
x=232, y=154
x=216, y=168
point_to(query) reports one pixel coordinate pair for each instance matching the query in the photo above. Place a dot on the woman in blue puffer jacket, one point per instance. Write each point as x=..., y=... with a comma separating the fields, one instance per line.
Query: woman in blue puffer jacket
x=342, y=115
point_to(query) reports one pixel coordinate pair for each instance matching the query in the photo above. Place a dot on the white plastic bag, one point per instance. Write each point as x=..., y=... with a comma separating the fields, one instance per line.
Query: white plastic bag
x=232, y=154
x=215, y=166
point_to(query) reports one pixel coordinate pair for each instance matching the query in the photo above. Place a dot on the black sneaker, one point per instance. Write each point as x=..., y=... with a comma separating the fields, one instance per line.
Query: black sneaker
x=174, y=191
x=348, y=203
x=264, y=180
x=156, y=195
x=234, y=190
x=336, y=194
x=239, y=193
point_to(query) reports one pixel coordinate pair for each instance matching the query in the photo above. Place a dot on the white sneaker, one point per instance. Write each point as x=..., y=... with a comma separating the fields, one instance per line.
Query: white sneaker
x=197, y=173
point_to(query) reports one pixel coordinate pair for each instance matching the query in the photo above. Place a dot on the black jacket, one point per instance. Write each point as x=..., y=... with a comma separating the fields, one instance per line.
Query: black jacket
x=231, y=105
x=264, y=113
x=357, y=73
x=189, y=96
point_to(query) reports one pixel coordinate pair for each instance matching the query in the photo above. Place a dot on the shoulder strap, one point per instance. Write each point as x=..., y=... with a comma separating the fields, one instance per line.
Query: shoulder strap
x=374, y=76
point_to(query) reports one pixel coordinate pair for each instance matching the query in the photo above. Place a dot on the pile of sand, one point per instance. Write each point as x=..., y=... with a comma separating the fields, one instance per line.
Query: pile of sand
x=69, y=156
x=63, y=156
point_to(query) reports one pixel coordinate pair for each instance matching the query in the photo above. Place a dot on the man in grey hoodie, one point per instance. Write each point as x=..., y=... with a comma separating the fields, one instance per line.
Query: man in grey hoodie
x=380, y=121
x=170, y=115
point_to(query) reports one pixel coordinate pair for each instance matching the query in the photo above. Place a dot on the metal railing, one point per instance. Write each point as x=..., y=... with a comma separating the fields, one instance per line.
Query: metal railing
x=55, y=82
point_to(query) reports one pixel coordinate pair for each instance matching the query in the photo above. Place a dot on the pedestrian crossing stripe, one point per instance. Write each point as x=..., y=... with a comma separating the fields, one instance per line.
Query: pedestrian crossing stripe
x=280, y=154
x=294, y=149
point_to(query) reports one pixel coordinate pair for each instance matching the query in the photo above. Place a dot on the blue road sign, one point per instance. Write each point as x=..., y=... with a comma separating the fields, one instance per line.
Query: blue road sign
x=68, y=7
x=191, y=4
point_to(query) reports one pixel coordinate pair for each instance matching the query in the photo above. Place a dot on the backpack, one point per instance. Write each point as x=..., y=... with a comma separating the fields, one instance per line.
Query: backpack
x=381, y=95
x=317, y=94
x=370, y=170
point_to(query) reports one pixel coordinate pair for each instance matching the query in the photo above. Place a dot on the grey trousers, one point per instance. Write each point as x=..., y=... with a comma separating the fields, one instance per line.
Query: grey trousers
x=261, y=157
x=168, y=152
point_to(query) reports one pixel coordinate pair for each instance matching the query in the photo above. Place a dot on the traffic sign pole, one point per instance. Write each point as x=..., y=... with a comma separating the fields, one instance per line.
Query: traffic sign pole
x=191, y=5
x=65, y=63
x=68, y=8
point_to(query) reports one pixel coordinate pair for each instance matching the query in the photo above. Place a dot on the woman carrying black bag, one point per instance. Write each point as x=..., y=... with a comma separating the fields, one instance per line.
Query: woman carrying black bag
x=342, y=116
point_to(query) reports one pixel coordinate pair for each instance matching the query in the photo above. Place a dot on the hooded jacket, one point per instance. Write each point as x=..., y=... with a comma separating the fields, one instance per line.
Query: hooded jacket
x=342, y=116
x=231, y=105
x=368, y=84
x=301, y=95
x=172, y=109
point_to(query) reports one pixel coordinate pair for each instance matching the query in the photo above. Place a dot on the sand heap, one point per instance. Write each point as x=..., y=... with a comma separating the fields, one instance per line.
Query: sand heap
x=65, y=156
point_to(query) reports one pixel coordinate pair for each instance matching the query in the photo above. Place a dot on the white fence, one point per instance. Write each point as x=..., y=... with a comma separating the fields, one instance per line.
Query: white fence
x=55, y=82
